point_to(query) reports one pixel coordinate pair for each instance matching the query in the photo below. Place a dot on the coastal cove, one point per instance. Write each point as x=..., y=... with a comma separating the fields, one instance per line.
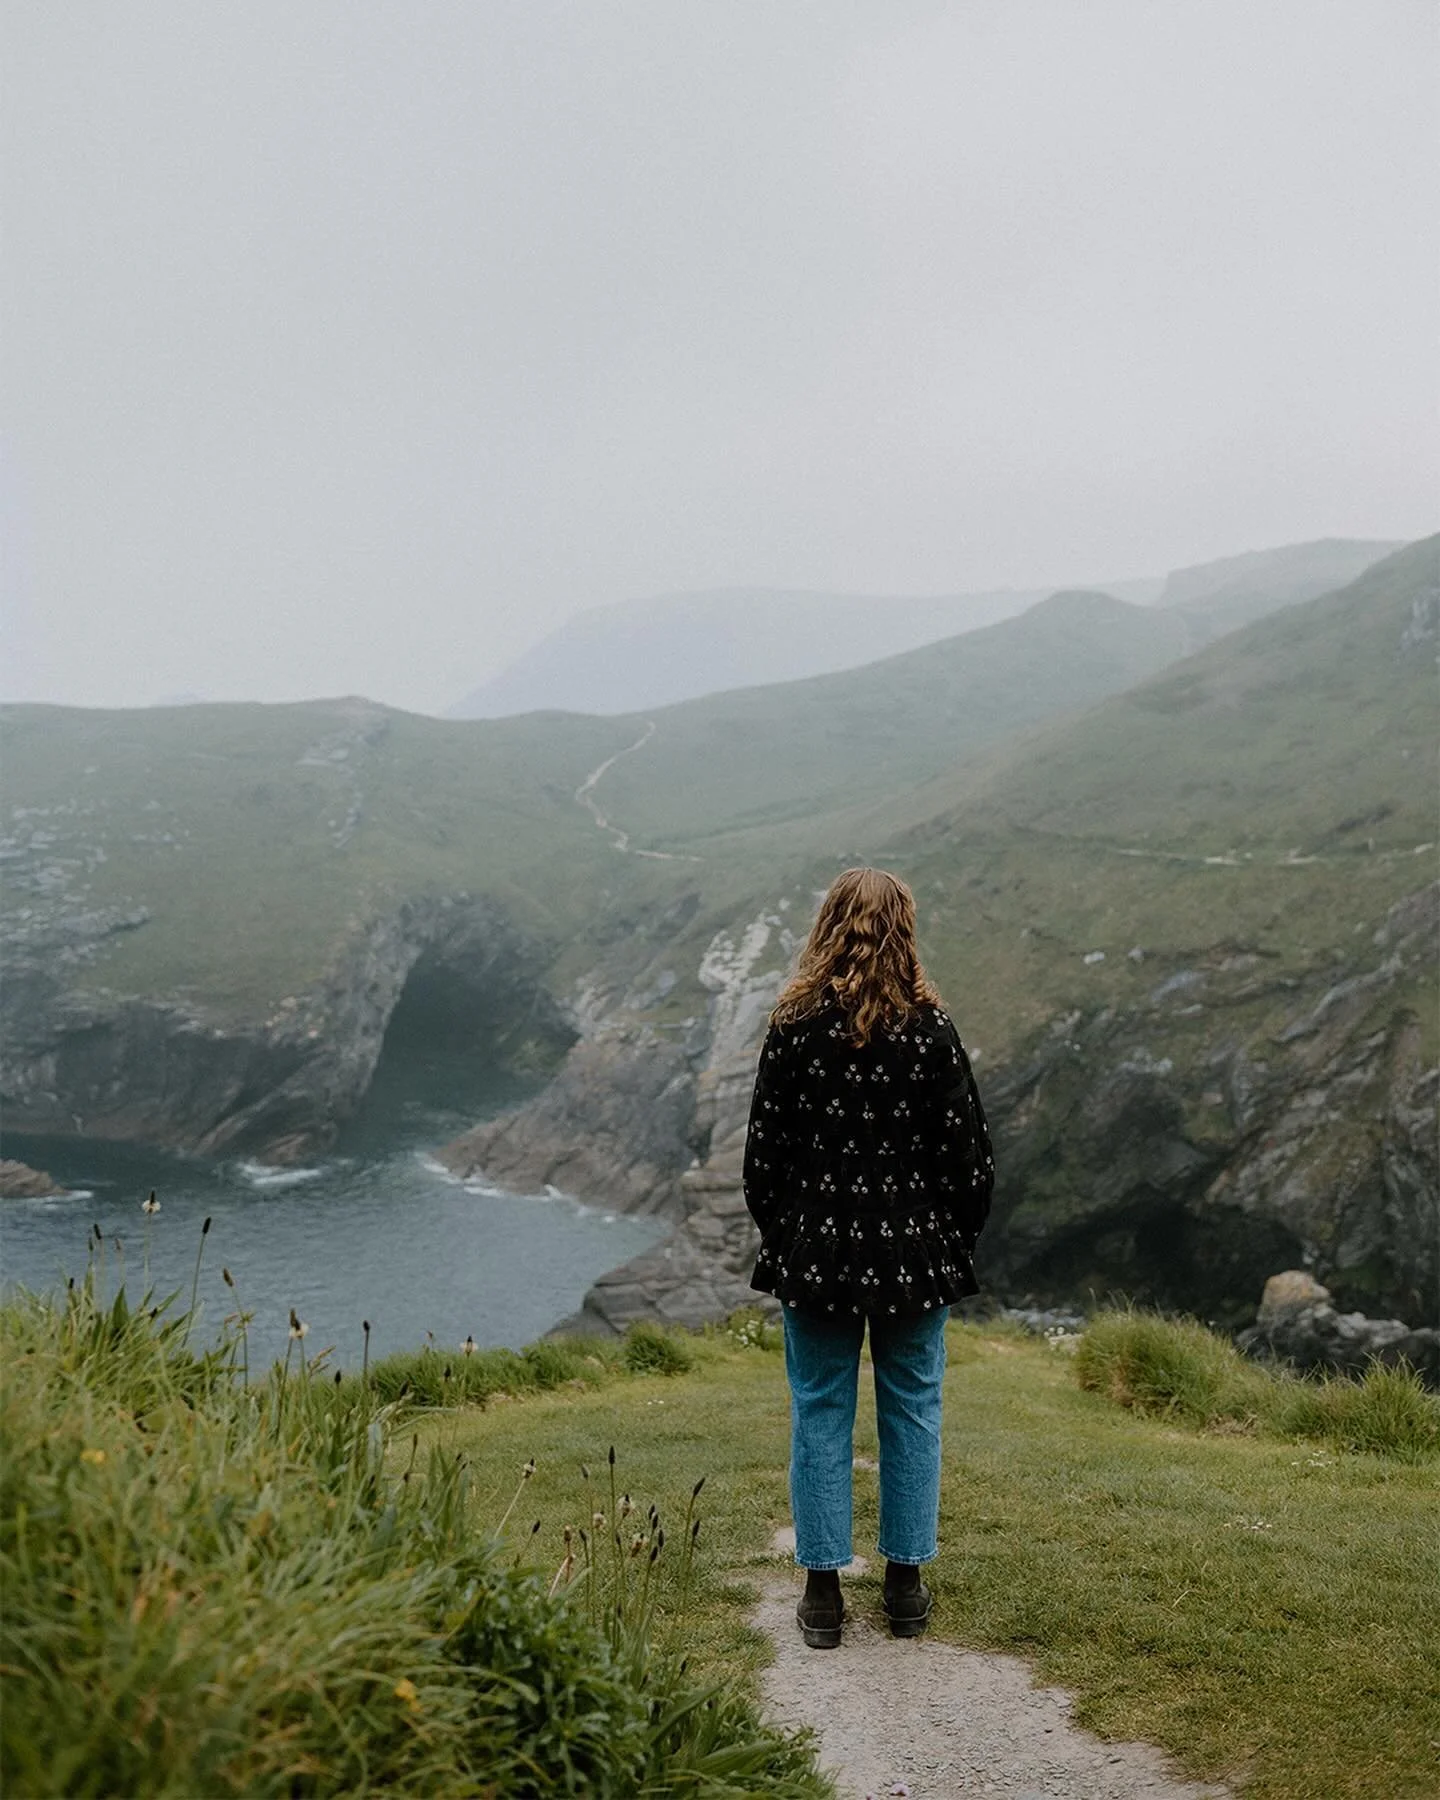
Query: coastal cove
x=377, y=1230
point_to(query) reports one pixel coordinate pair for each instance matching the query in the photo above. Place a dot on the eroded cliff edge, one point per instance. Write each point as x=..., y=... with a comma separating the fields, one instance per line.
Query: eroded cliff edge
x=1243, y=1117
x=278, y=1082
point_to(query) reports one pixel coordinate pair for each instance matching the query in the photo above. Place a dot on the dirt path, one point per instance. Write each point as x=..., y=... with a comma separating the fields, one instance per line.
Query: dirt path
x=585, y=796
x=929, y=1720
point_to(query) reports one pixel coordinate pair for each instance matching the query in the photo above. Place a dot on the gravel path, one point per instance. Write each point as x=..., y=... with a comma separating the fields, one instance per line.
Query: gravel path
x=915, y=1717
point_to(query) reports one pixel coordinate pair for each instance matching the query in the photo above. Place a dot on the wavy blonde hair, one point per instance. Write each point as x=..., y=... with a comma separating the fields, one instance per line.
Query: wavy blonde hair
x=860, y=956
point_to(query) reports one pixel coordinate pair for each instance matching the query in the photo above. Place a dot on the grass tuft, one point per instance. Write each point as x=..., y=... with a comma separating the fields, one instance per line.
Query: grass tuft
x=213, y=1586
x=432, y=1377
x=651, y=1350
x=1179, y=1369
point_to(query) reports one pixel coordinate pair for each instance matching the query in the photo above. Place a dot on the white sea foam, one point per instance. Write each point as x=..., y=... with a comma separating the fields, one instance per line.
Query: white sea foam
x=266, y=1175
x=432, y=1167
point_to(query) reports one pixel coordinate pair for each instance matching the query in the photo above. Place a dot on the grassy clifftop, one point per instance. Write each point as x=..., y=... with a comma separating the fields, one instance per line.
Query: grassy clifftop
x=218, y=1583
x=255, y=835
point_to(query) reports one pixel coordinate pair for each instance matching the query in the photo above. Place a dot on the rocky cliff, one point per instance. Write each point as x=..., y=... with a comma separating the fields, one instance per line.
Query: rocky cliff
x=1245, y=1117
x=277, y=1084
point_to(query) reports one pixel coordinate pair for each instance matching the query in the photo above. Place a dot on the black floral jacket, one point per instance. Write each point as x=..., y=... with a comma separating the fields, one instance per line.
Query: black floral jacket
x=867, y=1169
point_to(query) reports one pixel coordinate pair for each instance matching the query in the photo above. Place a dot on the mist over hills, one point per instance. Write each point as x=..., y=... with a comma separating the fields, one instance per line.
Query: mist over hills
x=641, y=654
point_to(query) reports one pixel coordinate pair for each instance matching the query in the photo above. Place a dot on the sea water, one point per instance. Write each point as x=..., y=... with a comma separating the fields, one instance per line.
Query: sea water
x=378, y=1231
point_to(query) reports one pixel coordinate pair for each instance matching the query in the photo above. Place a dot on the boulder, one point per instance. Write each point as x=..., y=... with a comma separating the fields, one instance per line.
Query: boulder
x=18, y=1181
x=1297, y=1324
x=1288, y=1293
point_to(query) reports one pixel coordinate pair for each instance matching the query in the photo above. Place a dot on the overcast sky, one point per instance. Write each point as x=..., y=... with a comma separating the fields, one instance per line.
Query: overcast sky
x=350, y=347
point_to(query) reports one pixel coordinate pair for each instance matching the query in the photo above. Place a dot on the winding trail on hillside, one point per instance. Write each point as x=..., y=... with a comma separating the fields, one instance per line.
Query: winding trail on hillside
x=585, y=796
x=935, y=1722
x=1292, y=859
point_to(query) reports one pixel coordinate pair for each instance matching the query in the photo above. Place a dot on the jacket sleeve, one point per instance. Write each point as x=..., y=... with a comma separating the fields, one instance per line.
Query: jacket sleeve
x=767, y=1141
x=966, y=1132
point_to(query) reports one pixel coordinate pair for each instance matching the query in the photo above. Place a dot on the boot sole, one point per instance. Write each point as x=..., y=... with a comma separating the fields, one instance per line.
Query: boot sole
x=819, y=1637
x=908, y=1627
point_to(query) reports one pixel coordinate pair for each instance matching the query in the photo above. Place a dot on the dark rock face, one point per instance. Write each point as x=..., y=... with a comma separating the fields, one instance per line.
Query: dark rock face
x=647, y=1124
x=277, y=1086
x=1298, y=1324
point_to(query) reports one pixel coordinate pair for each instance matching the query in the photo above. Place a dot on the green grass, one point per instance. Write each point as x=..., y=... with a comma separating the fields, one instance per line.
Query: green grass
x=212, y=1587
x=1259, y=1604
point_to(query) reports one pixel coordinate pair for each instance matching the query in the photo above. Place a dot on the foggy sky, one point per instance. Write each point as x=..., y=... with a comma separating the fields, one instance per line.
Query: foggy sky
x=349, y=347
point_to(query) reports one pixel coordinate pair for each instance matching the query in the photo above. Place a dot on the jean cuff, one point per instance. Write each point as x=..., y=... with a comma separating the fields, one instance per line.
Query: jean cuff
x=890, y=1555
x=824, y=1568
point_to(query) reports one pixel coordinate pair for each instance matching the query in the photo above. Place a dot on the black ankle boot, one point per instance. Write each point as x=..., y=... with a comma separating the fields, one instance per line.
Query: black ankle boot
x=906, y=1599
x=821, y=1611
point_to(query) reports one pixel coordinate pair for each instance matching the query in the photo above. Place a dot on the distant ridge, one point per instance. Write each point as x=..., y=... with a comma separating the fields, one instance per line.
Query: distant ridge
x=640, y=654
x=1236, y=590
x=637, y=655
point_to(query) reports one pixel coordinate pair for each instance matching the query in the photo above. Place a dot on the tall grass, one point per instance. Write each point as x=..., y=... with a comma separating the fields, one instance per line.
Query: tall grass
x=218, y=1587
x=1179, y=1368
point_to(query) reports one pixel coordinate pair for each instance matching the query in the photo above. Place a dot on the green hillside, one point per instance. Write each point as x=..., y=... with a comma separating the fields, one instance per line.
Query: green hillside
x=257, y=835
x=1274, y=790
x=1280, y=775
x=800, y=749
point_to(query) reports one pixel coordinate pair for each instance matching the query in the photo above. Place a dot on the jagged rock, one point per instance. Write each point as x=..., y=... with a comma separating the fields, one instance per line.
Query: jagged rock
x=614, y=1125
x=1306, y=1137
x=18, y=1181
x=702, y=1272
x=1180, y=1181
x=1298, y=1324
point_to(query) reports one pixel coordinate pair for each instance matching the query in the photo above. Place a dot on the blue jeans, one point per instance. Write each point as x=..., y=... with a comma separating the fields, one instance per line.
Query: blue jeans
x=822, y=1360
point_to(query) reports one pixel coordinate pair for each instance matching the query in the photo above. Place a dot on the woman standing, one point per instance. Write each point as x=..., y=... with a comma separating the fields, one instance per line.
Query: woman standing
x=868, y=1170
